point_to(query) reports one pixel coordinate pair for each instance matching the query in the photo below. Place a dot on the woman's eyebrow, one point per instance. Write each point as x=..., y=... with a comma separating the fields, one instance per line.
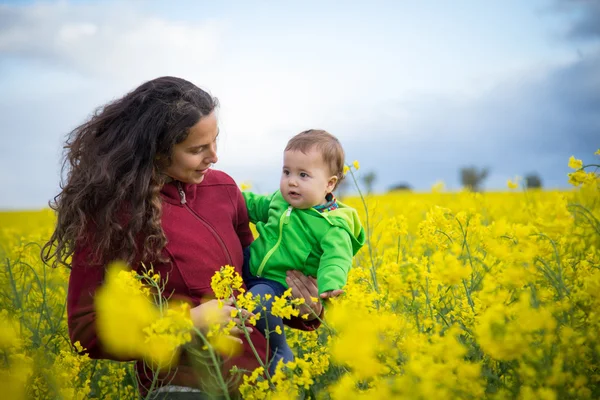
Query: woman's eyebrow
x=196, y=147
x=202, y=145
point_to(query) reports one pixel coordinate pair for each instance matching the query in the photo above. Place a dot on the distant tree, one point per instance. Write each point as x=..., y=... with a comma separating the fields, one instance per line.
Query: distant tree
x=473, y=177
x=369, y=179
x=533, y=180
x=399, y=187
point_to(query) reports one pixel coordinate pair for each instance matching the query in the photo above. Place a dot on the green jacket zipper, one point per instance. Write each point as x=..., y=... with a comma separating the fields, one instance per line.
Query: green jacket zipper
x=284, y=219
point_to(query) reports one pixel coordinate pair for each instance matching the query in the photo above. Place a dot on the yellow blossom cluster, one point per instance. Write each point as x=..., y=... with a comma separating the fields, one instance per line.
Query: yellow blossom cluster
x=226, y=282
x=131, y=326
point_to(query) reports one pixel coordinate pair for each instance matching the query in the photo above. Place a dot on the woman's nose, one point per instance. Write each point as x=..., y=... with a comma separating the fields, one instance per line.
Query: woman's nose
x=212, y=157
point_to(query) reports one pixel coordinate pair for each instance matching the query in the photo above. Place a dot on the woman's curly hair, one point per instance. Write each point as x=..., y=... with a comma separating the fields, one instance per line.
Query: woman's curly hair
x=110, y=199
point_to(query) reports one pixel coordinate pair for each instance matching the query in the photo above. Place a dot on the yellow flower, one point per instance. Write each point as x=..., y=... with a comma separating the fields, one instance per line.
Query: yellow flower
x=225, y=281
x=226, y=345
x=165, y=336
x=574, y=163
x=284, y=309
x=512, y=184
x=13, y=381
x=356, y=165
x=245, y=186
x=131, y=326
x=580, y=177
x=597, y=153
x=123, y=311
x=9, y=332
x=346, y=169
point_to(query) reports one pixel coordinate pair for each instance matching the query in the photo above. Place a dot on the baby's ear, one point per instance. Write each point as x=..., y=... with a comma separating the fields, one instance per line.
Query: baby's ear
x=331, y=183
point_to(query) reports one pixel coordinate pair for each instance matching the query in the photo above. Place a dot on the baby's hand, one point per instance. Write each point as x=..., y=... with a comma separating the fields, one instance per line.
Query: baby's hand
x=332, y=293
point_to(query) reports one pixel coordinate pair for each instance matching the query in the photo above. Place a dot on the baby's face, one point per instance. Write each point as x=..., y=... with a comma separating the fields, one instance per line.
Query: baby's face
x=305, y=179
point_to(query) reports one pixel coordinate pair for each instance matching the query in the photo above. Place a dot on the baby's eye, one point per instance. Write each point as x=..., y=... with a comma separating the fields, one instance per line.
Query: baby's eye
x=285, y=172
x=303, y=175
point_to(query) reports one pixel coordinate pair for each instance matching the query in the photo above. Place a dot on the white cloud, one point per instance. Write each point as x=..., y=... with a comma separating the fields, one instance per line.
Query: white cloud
x=111, y=48
x=107, y=42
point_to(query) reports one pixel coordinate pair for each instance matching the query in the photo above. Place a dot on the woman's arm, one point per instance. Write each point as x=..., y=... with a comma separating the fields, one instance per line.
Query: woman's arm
x=304, y=287
x=84, y=280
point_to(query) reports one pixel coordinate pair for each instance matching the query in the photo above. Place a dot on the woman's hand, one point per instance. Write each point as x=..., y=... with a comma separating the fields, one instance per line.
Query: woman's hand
x=331, y=293
x=210, y=313
x=306, y=287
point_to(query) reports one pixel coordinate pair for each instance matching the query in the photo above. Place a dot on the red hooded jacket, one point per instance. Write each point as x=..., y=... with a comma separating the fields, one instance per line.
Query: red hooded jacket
x=206, y=226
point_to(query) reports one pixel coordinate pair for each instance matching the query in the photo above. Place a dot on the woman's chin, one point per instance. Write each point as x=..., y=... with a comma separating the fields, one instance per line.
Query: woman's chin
x=194, y=180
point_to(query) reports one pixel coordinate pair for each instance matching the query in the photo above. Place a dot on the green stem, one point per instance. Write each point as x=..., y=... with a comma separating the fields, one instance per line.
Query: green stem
x=247, y=335
x=213, y=357
x=589, y=165
x=368, y=226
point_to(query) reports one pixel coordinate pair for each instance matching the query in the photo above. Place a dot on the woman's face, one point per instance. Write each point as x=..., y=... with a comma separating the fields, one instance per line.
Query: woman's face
x=192, y=158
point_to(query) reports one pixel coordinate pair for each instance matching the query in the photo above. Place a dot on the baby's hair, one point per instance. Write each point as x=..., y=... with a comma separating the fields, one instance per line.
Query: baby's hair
x=328, y=145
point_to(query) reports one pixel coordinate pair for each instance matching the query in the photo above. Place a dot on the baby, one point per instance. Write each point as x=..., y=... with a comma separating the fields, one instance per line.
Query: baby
x=303, y=227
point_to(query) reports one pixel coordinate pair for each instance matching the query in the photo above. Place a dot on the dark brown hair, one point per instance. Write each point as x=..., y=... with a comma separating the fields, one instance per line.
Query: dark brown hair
x=110, y=199
x=327, y=144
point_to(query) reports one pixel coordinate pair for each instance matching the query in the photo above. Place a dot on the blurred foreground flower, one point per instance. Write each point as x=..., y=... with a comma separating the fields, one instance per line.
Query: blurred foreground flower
x=19, y=367
x=9, y=332
x=131, y=326
x=14, y=379
x=219, y=334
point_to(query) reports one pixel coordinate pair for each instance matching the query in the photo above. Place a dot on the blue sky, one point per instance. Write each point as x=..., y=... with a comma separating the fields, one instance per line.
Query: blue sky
x=414, y=90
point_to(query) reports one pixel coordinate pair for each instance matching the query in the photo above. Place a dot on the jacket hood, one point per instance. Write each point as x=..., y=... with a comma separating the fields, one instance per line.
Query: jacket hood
x=347, y=218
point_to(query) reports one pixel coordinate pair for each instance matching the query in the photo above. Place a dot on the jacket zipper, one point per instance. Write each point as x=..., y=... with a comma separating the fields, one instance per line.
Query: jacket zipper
x=181, y=193
x=205, y=223
x=284, y=219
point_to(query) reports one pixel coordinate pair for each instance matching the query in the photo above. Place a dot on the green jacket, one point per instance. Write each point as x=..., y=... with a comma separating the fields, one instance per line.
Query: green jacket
x=317, y=244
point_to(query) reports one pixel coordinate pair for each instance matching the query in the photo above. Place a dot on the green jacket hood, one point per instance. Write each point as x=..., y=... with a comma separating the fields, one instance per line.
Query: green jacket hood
x=347, y=218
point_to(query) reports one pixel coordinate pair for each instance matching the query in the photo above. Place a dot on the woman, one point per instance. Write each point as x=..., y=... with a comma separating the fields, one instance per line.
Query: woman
x=140, y=188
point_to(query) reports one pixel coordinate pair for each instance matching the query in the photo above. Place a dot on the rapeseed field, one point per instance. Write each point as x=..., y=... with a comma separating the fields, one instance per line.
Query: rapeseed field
x=457, y=295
